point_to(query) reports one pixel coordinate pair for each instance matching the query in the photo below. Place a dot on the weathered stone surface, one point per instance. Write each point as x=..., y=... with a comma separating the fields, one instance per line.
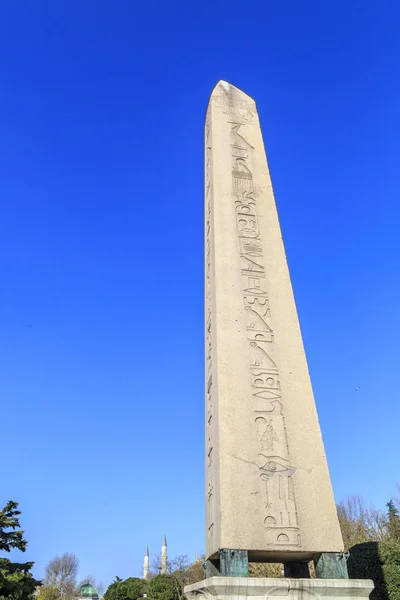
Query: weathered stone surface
x=268, y=486
x=241, y=588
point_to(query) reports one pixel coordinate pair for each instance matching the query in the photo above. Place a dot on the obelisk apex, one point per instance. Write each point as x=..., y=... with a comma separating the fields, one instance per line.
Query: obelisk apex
x=268, y=486
x=224, y=87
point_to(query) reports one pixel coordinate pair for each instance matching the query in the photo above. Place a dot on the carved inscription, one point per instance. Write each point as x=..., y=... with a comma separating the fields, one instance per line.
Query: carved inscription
x=243, y=111
x=275, y=475
x=209, y=327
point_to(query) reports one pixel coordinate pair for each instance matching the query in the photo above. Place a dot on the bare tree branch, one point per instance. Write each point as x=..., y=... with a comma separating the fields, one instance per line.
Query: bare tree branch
x=359, y=523
x=61, y=574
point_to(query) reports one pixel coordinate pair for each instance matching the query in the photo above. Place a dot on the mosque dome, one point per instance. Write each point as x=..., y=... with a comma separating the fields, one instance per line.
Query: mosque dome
x=87, y=591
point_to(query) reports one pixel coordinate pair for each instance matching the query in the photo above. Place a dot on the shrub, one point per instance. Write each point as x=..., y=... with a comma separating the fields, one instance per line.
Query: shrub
x=379, y=561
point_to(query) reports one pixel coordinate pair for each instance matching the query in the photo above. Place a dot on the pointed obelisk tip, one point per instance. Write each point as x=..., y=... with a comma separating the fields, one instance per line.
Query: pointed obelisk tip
x=225, y=88
x=164, y=540
x=147, y=550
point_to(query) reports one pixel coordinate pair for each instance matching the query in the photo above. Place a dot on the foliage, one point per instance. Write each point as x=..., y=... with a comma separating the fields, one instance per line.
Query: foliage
x=273, y=569
x=195, y=572
x=126, y=589
x=393, y=521
x=165, y=587
x=16, y=580
x=359, y=523
x=379, y=561
x=183, y=571
x=47, y=592
x=265, y=570
x=61, y=574
x=10, y=534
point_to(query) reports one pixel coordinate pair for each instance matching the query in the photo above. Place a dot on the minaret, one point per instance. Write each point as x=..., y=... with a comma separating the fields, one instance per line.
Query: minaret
x=146, y=564
x=164, y=556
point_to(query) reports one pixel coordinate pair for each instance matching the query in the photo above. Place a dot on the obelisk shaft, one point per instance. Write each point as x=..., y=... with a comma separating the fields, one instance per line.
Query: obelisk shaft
x=268, y=486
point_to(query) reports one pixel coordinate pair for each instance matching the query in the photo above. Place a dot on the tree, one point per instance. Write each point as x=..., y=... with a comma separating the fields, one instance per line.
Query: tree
x=132, y=588
x=16, y=580
x=360, y=524
x=61, y=574
x=380, y=562
x=164, y=587
x=393, y=522
x=182, y=571
x=196, y=571
x=47, y=592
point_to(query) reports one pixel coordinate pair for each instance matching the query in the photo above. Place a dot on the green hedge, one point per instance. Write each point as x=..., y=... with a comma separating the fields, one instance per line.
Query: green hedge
x=379, y=561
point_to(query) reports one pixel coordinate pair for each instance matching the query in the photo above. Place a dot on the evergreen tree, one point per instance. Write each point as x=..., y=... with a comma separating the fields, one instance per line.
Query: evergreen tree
x=16, y=580
x=393, y=521
x=132, y=588
x=165, y=587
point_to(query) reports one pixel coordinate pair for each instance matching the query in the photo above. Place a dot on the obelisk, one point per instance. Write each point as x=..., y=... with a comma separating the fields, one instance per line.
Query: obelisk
x=268, y=486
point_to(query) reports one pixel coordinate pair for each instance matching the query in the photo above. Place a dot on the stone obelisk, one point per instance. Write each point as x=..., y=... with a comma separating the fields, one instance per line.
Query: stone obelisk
x=269, y=496
x=268, y=485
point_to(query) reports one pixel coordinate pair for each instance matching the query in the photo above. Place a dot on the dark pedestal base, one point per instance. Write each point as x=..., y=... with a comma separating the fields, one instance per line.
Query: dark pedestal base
x=231, y=563
x=331, y=565
x=297, y=569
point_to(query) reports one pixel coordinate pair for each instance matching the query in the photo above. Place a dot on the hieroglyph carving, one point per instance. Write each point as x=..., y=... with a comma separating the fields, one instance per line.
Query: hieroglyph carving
x=275, y=475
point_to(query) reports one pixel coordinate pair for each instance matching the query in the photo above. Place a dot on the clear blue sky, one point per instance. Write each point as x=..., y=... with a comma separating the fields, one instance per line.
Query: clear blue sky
x=102, y=108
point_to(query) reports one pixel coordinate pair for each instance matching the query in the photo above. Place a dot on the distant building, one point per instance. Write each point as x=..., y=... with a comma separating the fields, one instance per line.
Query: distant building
x=87, y=591
x=146, y=564
x=162, y=569
x=164, y=558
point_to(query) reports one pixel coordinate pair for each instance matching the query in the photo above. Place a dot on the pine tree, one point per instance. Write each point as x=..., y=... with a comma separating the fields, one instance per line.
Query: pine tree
x=16, y=580
x=393, y=521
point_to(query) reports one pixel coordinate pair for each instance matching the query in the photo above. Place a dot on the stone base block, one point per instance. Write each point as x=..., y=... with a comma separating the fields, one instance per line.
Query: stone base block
x=241, y=588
